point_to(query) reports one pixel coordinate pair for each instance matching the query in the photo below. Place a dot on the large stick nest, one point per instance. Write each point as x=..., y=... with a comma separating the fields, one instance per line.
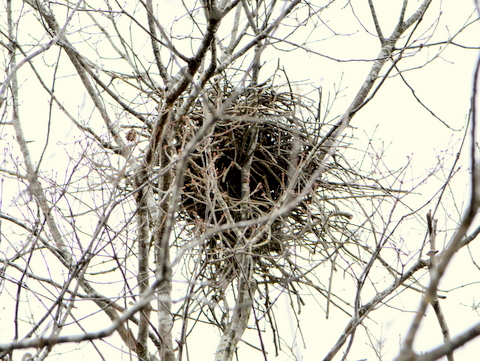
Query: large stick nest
x=250, y=158
x=261, y=154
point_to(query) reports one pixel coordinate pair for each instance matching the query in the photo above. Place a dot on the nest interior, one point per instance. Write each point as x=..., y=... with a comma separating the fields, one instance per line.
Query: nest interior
x=231, y=148
x=246, y=162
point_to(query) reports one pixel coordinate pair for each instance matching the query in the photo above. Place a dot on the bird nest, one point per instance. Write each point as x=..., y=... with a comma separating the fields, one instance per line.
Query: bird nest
x=245, y=165
x=260, y=155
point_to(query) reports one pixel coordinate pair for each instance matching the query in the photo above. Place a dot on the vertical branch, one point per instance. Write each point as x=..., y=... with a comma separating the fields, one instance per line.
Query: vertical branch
x=432, y=233
x=246, y=170
x=475, y=171
x=143, y=244
x=241, y=312
x=153, y=38
x=256, y=64
x=164, y=289
x=161, y=241
x=377, y=24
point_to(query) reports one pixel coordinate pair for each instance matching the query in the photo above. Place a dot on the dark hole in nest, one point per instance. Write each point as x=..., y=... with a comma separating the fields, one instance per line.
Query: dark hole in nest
x=229, y=148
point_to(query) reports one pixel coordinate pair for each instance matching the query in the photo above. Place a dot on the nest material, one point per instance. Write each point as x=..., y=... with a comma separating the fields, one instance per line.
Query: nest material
x=246, y=163
x=225, y=160
x=240, y=171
